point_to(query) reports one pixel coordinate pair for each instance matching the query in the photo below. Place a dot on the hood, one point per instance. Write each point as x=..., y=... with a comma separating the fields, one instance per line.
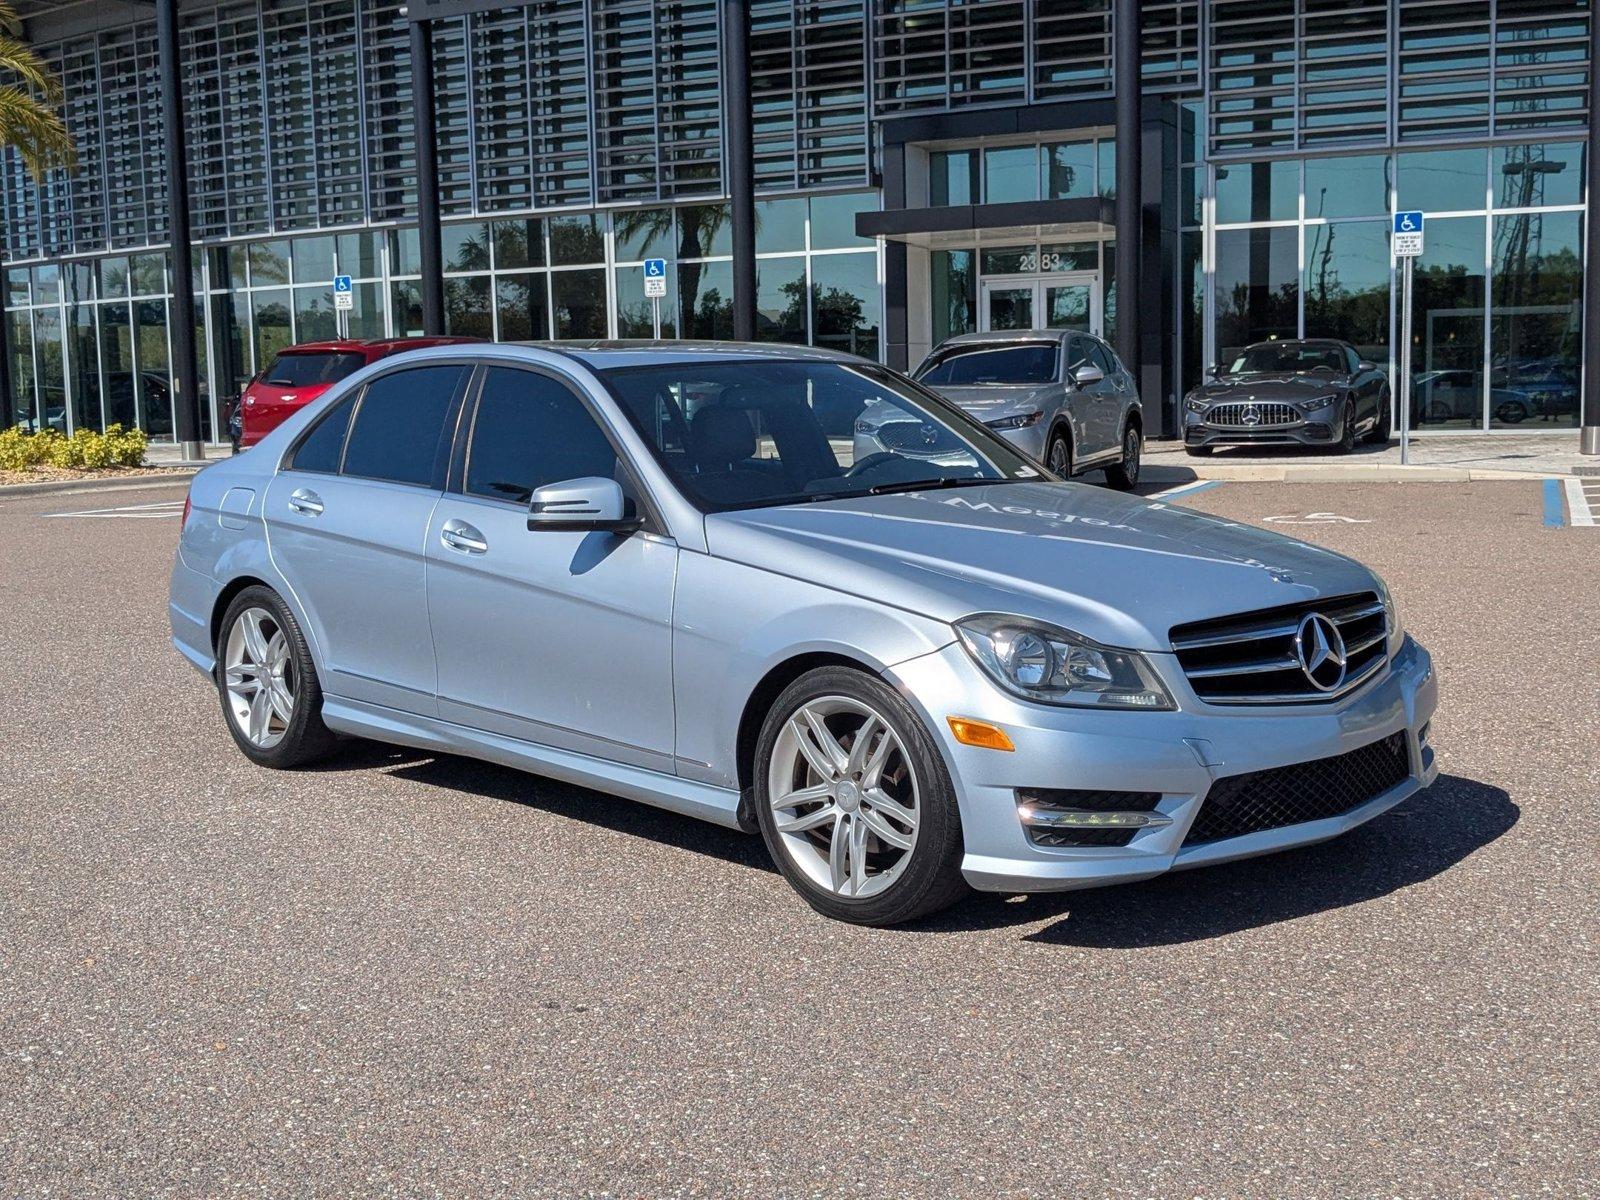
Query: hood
x=1288, y=388
x=1115, y=568
x=992, y=400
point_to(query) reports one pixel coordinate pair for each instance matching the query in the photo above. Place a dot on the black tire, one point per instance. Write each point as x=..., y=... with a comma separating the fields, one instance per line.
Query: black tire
x=1198, y=451
x=1347, y=434
x=1511, y=412
x=1378, y=435
x=931, y=879
x=1124, y=476
x=1059, y=447
x=306, y=738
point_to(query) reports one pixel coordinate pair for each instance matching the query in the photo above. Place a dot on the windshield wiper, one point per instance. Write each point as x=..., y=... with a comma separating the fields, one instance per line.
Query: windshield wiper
x=928, y=485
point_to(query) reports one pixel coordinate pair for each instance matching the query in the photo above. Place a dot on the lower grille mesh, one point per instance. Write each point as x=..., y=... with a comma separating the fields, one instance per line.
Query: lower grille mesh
x=1311, y=791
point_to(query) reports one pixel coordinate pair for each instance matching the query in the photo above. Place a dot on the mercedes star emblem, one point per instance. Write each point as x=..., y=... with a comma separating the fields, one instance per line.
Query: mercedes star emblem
x=1251, y=416
x=1320, y=649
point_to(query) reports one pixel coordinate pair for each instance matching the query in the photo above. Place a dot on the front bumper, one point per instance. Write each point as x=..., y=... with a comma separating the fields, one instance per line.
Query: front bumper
x=1178, y=755
x=1031, y=440
x=1322, y=428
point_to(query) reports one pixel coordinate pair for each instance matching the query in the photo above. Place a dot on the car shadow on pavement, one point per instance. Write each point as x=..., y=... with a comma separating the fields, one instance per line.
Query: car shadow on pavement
x=581, y=804
x=1428, y=834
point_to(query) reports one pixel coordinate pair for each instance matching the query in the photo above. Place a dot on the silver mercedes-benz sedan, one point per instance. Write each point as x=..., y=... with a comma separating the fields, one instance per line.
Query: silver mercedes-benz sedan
x=660, y=571
x=1061, y=396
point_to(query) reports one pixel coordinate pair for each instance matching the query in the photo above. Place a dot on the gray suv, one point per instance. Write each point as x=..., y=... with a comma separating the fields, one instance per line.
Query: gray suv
x=1060, y=396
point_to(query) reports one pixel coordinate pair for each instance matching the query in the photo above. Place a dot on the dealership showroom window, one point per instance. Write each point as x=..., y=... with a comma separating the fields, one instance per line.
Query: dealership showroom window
x=1284, y=142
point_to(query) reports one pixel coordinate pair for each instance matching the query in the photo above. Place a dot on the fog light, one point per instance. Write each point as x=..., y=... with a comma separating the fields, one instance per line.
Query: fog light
x=979, y=733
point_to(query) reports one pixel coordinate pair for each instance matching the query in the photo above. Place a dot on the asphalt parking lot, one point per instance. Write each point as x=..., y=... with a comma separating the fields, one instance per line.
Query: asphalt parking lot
x=404, y=975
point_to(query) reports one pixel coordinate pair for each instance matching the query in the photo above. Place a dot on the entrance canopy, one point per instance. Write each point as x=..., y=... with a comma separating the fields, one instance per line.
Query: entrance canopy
x=1080, y=218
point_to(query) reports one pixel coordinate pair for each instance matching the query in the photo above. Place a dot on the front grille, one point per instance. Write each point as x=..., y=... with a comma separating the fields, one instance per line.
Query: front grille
x=1253, y=658
x=1310, y=791
x=1238, y=416
x=914, y=437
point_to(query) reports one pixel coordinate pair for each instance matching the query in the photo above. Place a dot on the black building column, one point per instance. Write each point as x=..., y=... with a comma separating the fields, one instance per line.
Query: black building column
x=1130, y=175
x=8, y=408
x=430, y=251
x=739, y=128
x=185, y=365
x=1589, y=438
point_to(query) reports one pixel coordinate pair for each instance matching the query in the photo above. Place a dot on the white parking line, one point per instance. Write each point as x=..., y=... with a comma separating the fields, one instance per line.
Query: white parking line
x=161, y=510
x=1185, y=489
x=1583, y=496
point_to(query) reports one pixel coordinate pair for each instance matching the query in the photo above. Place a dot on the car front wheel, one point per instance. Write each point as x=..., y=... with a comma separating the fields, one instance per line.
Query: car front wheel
x=270, y=694
x=1347, y=433
x=855, y=802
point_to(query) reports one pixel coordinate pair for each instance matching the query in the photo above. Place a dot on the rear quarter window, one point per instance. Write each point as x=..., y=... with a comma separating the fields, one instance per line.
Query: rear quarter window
x=303, y=370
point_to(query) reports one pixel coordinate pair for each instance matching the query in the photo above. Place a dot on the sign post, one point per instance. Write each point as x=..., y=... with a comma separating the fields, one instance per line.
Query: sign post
x=1407, y=248
x=655, y=287
x=344, y=299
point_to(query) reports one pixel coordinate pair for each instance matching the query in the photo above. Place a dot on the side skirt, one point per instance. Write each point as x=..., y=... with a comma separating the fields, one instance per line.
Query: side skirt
x=718, y=805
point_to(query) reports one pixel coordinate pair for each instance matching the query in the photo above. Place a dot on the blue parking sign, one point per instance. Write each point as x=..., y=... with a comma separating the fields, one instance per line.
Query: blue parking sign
x=341, y=283
x=1407, y=234
x=655, y=268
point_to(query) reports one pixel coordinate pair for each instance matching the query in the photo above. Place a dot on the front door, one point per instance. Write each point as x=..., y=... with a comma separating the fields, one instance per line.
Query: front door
x=548, y=636
x=1069, y=300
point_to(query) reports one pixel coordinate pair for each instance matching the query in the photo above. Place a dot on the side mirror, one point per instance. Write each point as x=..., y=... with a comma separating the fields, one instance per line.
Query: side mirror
x=1087, y=374
x=1364, y=365
x=582, y=505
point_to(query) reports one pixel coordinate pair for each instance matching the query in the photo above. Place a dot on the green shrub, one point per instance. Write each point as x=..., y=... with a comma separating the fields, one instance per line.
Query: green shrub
x=116, y=447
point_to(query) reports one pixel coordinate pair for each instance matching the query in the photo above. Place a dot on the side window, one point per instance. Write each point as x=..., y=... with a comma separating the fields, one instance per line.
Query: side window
x=1077, y=353
x=1353, y=359
x=1102, y=358
x=324, y=445
x=531, y=430
x=399, y=433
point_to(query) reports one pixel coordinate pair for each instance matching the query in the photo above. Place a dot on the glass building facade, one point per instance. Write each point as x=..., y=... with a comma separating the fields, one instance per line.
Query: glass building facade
x=577, y=138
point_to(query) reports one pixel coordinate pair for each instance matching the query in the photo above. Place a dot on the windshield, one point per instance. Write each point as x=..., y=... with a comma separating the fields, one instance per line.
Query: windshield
x=1288, y=358
x=976, y=364
x=756, y=434
x=302, y=370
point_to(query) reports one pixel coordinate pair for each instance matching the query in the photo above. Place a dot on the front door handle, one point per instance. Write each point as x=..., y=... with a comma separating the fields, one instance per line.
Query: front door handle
x=304, y=500
x=458, y=535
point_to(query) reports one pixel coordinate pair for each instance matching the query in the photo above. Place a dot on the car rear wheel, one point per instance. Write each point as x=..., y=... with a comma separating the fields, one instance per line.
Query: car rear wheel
x=1125, y=475
x=855, y=802
x=1058, y=455
x=268, y=684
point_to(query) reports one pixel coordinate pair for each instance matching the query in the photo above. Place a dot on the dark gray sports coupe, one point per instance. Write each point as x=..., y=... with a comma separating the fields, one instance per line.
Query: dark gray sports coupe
x=1313, y=392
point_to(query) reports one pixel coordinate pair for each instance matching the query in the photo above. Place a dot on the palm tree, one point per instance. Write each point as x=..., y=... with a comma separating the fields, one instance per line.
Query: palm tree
x=29, y=120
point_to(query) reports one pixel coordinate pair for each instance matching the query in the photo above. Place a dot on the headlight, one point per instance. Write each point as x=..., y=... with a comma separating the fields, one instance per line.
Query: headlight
x=1017, y=421
x=1318, y=402
x=1196, y=405
x=1047, y=663
x=1391, y=619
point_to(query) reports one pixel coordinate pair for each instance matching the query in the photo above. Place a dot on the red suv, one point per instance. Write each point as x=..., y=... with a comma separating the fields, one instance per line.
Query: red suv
x=299, y=374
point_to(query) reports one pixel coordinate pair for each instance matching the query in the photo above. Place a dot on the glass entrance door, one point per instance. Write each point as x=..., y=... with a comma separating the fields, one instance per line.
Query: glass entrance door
x=1070, y=300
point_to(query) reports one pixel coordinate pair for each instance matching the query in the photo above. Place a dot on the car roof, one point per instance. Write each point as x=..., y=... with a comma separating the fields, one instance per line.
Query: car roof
x=602, y=354
x=1301, y=342
x=998, y=336
x=382, y=345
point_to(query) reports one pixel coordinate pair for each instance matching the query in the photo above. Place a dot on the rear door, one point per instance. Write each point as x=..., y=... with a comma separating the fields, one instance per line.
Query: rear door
x=559, y=638
x=1094, y=405
x=346, y=522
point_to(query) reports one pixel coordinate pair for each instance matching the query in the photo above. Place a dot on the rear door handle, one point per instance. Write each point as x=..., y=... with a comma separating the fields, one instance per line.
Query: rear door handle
x=458, y=535
x=304, y=500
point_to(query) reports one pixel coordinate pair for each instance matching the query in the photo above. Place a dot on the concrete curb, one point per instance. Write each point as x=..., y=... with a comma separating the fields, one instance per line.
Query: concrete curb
x=114, y=483
x=1345, y=473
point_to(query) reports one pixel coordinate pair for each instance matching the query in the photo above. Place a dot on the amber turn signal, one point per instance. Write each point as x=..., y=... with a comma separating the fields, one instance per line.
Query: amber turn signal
x=979, y=733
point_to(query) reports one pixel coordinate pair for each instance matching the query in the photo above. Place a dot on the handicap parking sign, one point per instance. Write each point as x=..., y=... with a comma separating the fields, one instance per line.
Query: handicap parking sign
x=655, y=278
x=1407, y=234
x=343, y=294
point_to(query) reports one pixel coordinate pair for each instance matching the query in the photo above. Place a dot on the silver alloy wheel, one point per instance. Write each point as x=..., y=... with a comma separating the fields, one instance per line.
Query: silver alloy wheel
x=1060, y=461
x=1130, y=455
x=258, y=672
x=845, y=801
